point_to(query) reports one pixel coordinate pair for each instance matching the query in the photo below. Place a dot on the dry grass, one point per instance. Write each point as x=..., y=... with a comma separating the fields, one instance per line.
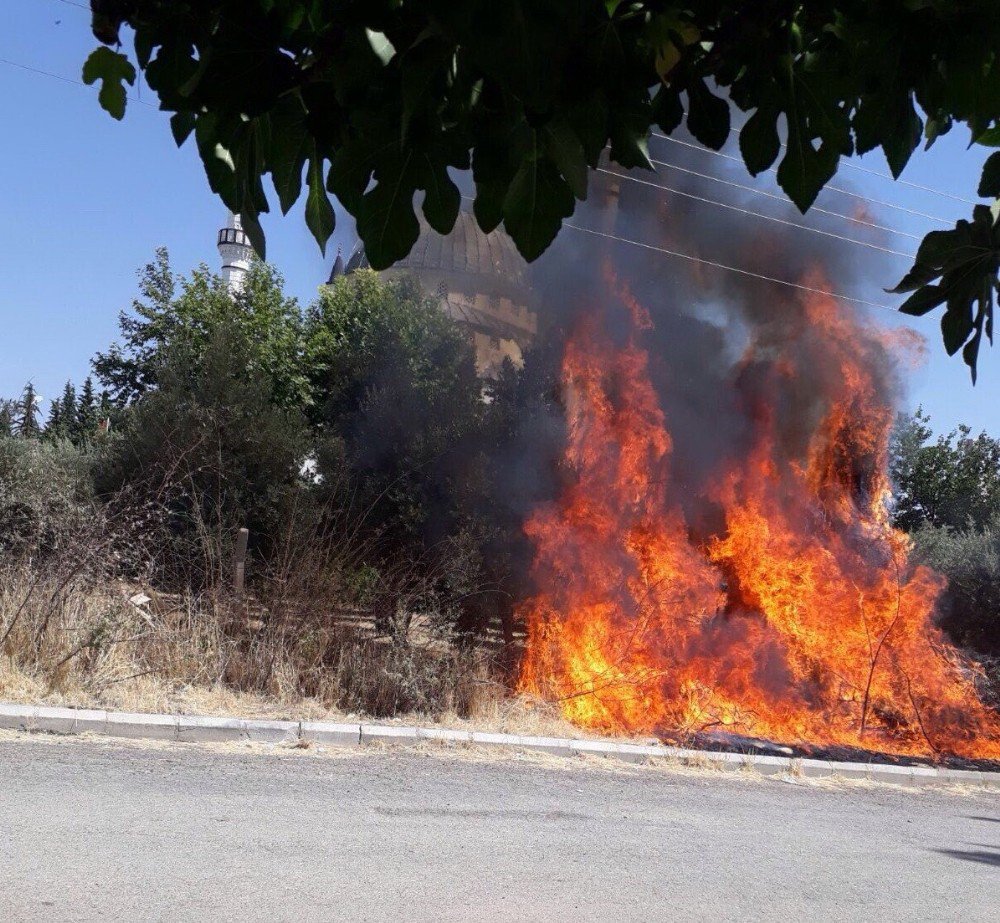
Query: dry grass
x=86, y=641
x=332, y=625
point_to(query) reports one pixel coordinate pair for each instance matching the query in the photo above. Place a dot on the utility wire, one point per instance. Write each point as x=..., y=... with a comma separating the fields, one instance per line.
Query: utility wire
x=78, y=83
x=742, y=272
x=79, y=6
x=749, y=212
x=784, y=199
x=635, y=243
x=723, y=266
x=847, y=163
x=35, y=70
x=889, y=176
x=840, y=189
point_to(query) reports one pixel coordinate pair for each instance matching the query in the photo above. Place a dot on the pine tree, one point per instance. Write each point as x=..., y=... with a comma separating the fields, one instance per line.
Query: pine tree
x=67, y=412
x=54, y=428
x=86, y=411
x=7, y=413
x=28, y=425
x=105, y=411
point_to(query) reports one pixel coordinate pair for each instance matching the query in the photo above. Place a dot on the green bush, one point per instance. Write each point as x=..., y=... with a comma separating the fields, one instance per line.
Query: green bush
x=45, y=490
x=396, y=404
x=970, y=559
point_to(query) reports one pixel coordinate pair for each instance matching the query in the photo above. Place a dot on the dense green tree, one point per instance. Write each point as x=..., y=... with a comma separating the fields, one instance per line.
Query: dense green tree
x=212, y=442
x=969, y=609
x=54, y=425
x=67, y=410
x=377, y=101
x=172, y=312
x=7, y=415
x=947, y=495
x=207, y=390
x=952, y=481
x=63, y=421
x=86, y=411
x=27, y=420
x=396, y=402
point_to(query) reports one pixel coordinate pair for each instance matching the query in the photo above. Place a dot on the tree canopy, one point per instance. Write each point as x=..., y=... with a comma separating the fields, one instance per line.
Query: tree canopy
x=379, y=100
x=946, y=494
x=177, y=313
x=951, y=482
x=394, y=384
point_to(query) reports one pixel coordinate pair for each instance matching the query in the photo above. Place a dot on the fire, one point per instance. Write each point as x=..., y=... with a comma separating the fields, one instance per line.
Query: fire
x=797, y=616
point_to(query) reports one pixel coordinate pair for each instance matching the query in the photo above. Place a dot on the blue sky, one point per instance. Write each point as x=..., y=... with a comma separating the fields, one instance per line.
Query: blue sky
x=86, y=200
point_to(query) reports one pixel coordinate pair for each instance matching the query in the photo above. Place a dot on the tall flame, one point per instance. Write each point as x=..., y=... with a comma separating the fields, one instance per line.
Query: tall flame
x=798, y=618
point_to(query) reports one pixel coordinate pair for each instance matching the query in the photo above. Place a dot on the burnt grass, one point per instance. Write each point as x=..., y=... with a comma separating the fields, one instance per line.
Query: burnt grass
x=727, y=742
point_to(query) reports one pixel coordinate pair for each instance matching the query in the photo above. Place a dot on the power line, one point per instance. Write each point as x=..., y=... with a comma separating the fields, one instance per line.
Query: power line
x=784, y=199
x=625, y=240
x=749, y=212
x=70, y=80
x=723, y=266
x=840, y=189
x=889, y=176
x=35, y=70
x=846, y=163
x=735, y=269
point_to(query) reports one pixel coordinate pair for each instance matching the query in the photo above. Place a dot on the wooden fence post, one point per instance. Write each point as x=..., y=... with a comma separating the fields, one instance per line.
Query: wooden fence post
x=240, y=569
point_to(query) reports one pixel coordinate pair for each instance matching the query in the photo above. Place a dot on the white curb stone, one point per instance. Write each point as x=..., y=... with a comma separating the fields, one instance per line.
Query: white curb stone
x=272, y=732
x=968, y=777
x=389, y=734
x=816, y=769
x=16, y=717
x=90, y=721
x=205, y=728
x=54, y=720
x=764, y=764
x=209, y=729
x=632, y=753
x=145, y=727
x=560, y=746
x=445, y=735
x=489, y=739
x=330, y=733
x=922, y=774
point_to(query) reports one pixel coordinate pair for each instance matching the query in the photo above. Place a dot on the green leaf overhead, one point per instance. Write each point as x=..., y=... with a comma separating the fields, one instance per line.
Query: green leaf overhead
x=291, y=146
x=759, y=141
x=965, y=261
x=114, y=70
x=442, y=199
x=319, y=211
x=399, y=97
x=708, y=115
x=989, y=185
x=387, y=223
x=566, y=151
x=537, y=201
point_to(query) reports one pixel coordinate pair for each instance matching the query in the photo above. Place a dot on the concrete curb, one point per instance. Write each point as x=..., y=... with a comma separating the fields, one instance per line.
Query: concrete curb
x=216, y=729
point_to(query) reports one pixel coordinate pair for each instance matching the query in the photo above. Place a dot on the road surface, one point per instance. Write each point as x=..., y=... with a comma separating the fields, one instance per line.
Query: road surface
x=102, y=831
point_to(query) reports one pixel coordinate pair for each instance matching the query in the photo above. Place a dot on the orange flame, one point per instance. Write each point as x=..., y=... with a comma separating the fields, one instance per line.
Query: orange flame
x=800, y=621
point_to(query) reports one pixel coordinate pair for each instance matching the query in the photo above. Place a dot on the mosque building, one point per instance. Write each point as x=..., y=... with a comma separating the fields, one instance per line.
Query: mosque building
x=479, y=279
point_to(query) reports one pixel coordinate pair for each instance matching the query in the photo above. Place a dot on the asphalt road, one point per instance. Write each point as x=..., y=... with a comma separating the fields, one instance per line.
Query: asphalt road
x=99, y=831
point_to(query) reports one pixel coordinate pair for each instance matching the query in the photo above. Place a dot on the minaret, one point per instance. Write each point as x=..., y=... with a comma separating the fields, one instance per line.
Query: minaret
x=236, y=253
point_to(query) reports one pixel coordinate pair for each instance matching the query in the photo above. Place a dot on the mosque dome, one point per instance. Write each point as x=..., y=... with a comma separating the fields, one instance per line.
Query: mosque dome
x=480, y=280
x=490, y=262
x=468, y=250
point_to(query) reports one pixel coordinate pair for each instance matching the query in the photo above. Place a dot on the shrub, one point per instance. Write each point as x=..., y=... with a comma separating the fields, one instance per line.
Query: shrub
x=970, y=559
x=45, y=489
